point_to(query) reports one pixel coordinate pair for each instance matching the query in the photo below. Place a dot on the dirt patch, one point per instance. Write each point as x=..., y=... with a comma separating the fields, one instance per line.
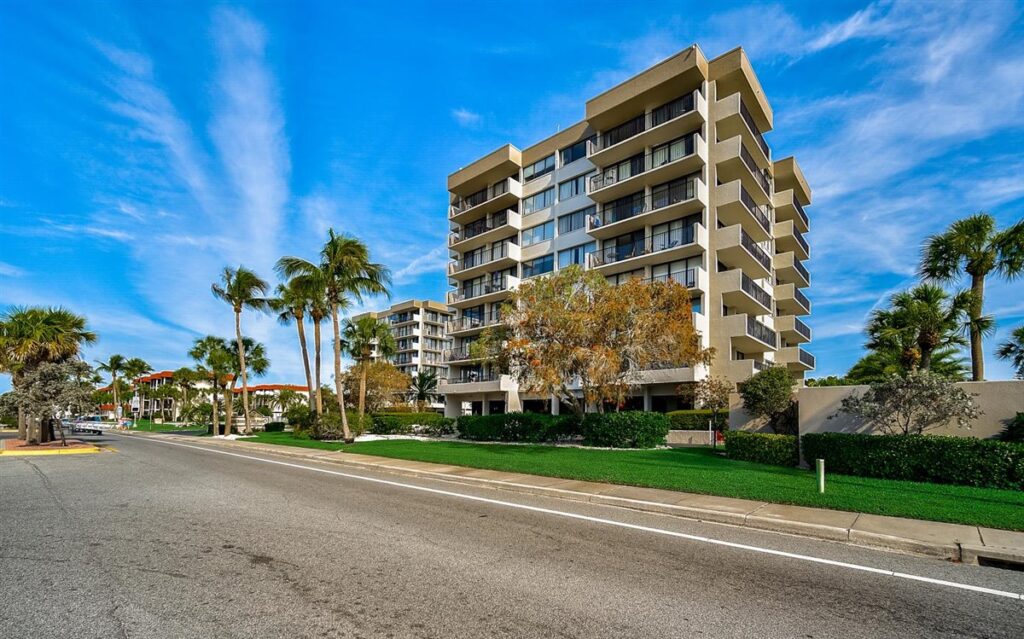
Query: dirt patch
x=20, y=445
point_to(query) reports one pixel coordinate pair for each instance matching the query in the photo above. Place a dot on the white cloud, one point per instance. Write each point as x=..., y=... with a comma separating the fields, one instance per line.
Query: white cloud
x=465, y=117
x=10, y=270
x=433, y=262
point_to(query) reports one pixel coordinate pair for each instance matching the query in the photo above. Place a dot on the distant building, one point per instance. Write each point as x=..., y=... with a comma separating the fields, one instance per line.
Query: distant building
x=420, y=329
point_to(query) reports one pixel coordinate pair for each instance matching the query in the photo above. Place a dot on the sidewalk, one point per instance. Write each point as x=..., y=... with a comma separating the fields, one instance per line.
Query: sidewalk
x=955, y=542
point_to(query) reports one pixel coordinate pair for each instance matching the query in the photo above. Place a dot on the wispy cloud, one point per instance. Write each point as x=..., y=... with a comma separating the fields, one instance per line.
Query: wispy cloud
x=465, y=117
x=10, y=270
x=429, y=263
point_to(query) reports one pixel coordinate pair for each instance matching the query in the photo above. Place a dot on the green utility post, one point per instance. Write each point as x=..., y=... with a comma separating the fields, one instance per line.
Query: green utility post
x=820, y=465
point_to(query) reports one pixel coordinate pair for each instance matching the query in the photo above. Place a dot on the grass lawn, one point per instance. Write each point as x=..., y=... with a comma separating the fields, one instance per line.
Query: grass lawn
x=701, y=470
x=150, y=426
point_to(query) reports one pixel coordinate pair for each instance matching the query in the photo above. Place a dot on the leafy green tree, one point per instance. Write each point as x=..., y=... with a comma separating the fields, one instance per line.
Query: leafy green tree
x=135, y=368
x=292, y=303
x=242, y=288
x=712, y=393
x=215, y=361
x=768, y=394
x=361, y=337
x=1013, y=350
x=114, y=366
x=52, y=389
x=912, y=404
x=918, y=322
x=185, y=379
x=255, y=357
x=423, y=388
x=831, y=380
x=973, y=245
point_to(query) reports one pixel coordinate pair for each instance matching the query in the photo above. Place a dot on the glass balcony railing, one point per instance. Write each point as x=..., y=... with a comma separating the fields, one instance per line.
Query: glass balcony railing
x=653, y=244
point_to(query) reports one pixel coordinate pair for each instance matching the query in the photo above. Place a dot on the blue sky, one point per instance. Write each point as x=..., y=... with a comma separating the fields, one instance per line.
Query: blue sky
x=143, y=146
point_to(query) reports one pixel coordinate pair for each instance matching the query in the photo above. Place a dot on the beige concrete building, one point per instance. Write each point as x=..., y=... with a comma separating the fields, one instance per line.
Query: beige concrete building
x=669, y=175
x=420, y=331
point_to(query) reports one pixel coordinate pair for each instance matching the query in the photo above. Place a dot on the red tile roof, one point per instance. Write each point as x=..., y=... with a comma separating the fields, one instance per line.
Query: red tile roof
x=275, y=387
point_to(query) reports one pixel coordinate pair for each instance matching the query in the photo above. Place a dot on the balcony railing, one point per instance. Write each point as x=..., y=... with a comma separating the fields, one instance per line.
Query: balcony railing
x=749, y=119
x=479, y=227
x=800, y=297
x=464, y=204
x=458, y=354
x=627, y=207
x=805, y=358
x=481, y=288
x=473, y=377
x=800, y=268
x=802, y=328
x=759, y=174
x=641, y=164
x=653, y=244
x=761, y=213
x=760, y=332
x=756, y=251
x=761, y=365
x=753, y=290
x=485, y=256
x=665, y=113
x=800, y=211
x=687, y=278
x=467, y=323
x=801, y=240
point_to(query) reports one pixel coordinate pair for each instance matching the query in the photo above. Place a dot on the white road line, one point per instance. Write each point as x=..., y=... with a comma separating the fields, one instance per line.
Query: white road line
x=612, y=522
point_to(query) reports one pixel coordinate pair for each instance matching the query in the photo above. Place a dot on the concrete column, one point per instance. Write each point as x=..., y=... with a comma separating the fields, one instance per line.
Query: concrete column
x=452, y=406
x=556, y=406
x=647, y=398
x=485, y=408
x=512, y=402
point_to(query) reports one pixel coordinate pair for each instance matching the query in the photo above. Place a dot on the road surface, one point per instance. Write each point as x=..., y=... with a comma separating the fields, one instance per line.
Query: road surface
x=162, y=540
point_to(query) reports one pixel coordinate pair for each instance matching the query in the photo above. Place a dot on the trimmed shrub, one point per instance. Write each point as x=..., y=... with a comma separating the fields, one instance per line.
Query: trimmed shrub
x=273, y=427
x=1014, y=431
x=695, y=419
x=516, y=427
x=631, y=429
x=763, y=448
x=928, y=458
x=408, y=423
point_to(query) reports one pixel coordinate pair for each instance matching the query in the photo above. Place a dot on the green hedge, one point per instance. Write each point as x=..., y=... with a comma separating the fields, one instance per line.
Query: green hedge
x=516, y=427
x=928, y=458
x=407, y=423
x=763, y=448
x=631, y=429
x=273, y=427
x=695, y=419
x=1014, y=431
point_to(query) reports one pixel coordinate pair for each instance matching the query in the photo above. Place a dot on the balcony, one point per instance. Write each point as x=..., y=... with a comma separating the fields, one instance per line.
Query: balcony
x=749, y=335
x=792, y=329
x=498, y=257
x=404, y=319
x=661, y=165
x=469, y=325
x=485, y=231
x=662, y=247
x=741, y=370
x=695, y=279
x=501, y=195
x=482, y=292
x=735, y=162
x=795, y=358
x=787, y=207
x=734, y=118
x=789, y=269
x=664, y=204
x=789, y=238
x=789, y=300
x=735, y=206
x=668, y=121
x=740, y=292
x=736, y=248
x=474, y=381
x=461, y=354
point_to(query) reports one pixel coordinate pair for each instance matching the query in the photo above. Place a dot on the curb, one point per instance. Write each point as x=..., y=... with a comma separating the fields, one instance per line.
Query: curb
x=56, y=451
x=957, y=552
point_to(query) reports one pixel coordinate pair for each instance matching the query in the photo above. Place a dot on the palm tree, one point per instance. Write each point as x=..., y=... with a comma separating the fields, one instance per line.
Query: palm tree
x=879, y=365
x=255, y=357
x=135, y=368
x=213, y=360
x=242, y=288
x=291, y=305
x=344, y=270
x=917, y=322
x=360, y=338
x=114, y=366
x=1013, y=350
x=974, y=246
x=185, y=379
x=424, y=388
x=30, y=336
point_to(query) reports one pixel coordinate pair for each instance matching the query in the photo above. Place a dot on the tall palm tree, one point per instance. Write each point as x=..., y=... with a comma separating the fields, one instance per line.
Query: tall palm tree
x=1013, y=350
x=291, y=305
x=344, y=270
x=114, y=366
x=423, y=388
x=135, y=368
x=254, y=355
x=214, y=361
x=974, y=246
x=917, y=322
x=879, y=365
x=185, y=379
x=242, y=288
x=360, y=338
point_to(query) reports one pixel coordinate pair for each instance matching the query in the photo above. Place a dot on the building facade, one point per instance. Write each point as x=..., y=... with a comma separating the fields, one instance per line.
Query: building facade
x=668, y=176
x=420, y=328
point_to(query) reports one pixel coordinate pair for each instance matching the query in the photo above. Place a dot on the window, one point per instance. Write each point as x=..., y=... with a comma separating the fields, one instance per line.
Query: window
x=622, y=278
x=539, y=266
x=576, y=254
x=673, y=150
x=572, y=188
x=682, y=271
x=539, y=168
x=575, y=220
x=539, y=233
x=539, y=201
x=575, y=152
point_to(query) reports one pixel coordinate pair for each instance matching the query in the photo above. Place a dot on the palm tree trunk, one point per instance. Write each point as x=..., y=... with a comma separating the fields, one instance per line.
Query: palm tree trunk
x=22, y=424
x=339, y=385
x=316, y=356
x=117, y=396
x=305, y=359
x=215, y=425
x=977, y=304
x=241, y=364
x=229, y=407
x=362, y=388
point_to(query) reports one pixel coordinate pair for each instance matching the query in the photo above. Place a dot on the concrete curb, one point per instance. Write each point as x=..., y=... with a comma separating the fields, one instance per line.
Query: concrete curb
x=952, y=542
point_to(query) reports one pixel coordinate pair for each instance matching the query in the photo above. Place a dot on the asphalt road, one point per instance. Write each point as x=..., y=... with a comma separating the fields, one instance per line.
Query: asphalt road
x=156, y=540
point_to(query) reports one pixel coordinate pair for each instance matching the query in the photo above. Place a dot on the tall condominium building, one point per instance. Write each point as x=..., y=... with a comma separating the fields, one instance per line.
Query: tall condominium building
x=419, y=327
x=668, y=175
